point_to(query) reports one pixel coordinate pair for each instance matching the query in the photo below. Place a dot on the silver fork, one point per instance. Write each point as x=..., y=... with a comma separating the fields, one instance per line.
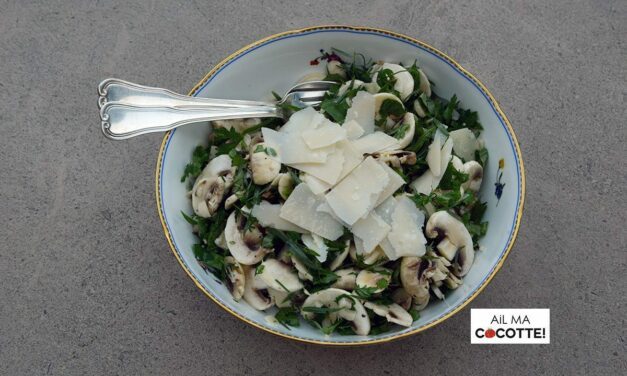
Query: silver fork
x=128, y=110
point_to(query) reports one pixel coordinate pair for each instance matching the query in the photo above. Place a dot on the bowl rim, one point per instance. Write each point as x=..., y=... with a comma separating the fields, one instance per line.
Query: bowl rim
x=426, y=46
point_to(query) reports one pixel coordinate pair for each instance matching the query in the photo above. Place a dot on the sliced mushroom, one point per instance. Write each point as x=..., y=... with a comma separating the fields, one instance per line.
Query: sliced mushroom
x=379, y=280
x=263, y=168
x=378, y=101
x=437, y=292
x=334, y=67
x=412, y=275
x=236, y=278
x=279, y=276
x=425, y=85
x=475, y=175
x=221, y=241
x=230, y=201
x=244, y=245
x=351, y=309
x=404, y=81
x=409, y=121
x=303, y=273
x=419, y=109
x=347, y=279
x=256, y=292
x=339, y=259
x=396, y=158
x=353, y=84
x=280, y=297
x=456, y=233
x=285, y=185
x=402, y=298
x=212, y=185
x=452, y=282
x=393, y=313
x=371, y=258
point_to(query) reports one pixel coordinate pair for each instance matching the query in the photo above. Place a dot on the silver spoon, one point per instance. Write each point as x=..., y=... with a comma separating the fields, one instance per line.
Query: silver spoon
x=128, y=110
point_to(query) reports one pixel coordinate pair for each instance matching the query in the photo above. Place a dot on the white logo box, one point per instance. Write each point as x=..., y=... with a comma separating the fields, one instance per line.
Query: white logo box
x=491, y=326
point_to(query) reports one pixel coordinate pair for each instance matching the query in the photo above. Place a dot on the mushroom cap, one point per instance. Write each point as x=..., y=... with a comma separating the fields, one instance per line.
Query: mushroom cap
x=414, y=281
x=457, y=234
x=420, y=111
x=475, y=175
x=352, y=309
x=244, y=247
x=255, y=293
x=279, y=276
x=425, y=85
x=402, y=298
x=393, y=313
x=280, y=297
x=212, y=185
x=263, y=168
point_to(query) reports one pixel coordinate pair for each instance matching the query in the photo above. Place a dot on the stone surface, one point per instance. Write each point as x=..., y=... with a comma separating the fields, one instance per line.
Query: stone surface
x=89, y=286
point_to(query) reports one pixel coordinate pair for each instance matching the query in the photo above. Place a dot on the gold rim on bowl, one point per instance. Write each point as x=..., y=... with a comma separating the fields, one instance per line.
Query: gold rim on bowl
x=424, y=45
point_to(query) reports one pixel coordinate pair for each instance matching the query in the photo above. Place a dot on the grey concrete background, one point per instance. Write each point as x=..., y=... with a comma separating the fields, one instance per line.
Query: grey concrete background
x=89, y=286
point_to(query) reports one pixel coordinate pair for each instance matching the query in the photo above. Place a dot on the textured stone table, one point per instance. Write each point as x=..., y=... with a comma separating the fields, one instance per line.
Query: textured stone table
x=88, y=285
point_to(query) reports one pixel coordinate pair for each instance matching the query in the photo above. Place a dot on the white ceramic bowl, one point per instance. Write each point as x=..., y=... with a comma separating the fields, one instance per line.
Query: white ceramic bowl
x=276, y=63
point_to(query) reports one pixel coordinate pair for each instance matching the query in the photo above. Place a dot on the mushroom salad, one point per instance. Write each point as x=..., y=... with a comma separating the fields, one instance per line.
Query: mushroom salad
x=352, y=217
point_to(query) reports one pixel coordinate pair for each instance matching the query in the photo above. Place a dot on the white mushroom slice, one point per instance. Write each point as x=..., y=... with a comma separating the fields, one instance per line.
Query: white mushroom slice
x=457, y=163
x=263, y=168
x=236, y=278
x=347, y=279
x=279, y=276
x=372, y=258
x=475, y=175
x=437, y=292
x=464, y=143
x=285, y=186
x=280, y=297
x=409, y=122
x=303, y=273
x=334, y=67
x=245, y=246
x=393, y=313
x=414, y=281
x=425, y=85
x=221, y=241
x=316, y=244
x=457, y=234
x=353, y=84
x=402, y=298
x=255, y=292
x=212, y=185
x=382, y=97
x=447, y=249
x=452, y=282
x=418, y=108
x=230, y=201
x=351, y=309
x=374, y=279
x=339, y=259
x=404, y=81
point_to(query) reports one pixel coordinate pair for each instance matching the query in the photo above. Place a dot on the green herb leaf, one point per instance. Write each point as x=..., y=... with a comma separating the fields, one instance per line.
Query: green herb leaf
x=287, y=316
x=200, y=158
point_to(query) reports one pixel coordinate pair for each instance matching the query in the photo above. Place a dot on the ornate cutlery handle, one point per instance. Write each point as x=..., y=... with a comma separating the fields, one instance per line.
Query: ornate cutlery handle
x=121, y=121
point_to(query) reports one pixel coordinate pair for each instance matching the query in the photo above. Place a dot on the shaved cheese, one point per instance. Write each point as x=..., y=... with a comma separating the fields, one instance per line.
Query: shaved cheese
x=395, y=182
x=434, y=154
x=328, y=172
x=385, y=211
x=268, y=216
x=339, y=164
x=291, y=148
x=358, y=192
x=303, y=120
x=353, y=129
x=406, y=236
x=301, y=209
x=316, y=244
x=464, y=143
x=377, y=141
x=316, y=185
x=447, y=149
x=437, y=161
x=362, y=111
x=371, y=231
x=327, y=134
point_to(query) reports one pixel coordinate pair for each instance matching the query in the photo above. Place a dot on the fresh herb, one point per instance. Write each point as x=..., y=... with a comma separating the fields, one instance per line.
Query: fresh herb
x=386, y=81
x=259, y=269
x=452, y=178
x=415, y=315
x=287, y=316
x=268, y=241
x=390, y=107
x=321, y=310
x=268, y=150
x=364, y=293
x=200, y=158
x=481, y=156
